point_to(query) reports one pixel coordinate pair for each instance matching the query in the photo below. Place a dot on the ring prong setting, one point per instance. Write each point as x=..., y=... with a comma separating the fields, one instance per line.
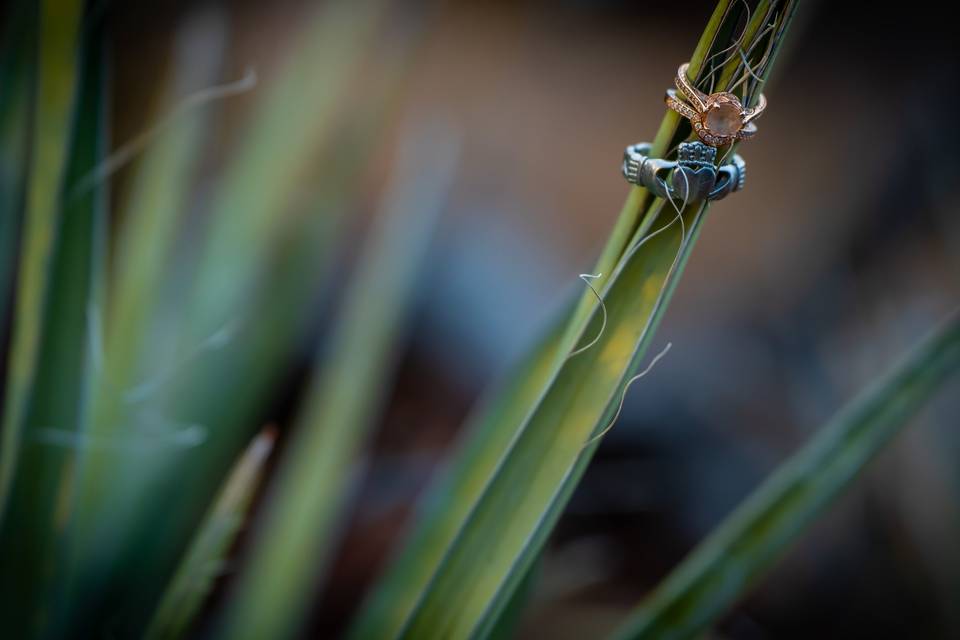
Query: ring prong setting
x=719, y=118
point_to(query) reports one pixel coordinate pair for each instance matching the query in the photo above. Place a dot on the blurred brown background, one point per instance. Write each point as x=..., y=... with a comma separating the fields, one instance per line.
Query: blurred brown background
x=842, y=251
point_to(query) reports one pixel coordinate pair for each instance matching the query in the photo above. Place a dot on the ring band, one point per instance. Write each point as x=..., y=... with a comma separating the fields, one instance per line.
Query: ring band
x=690, y=178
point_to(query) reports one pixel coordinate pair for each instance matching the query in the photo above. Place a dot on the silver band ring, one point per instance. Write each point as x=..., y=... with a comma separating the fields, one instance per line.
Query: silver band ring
x=690, y=178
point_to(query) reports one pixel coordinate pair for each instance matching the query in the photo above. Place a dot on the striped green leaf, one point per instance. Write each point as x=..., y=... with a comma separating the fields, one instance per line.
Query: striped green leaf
x=206, y=558
x=306, y=502
x=18, y=62
x=745, y=545
x=452, y=579
x=52, y=120
x=34, y=537
x=448, y=502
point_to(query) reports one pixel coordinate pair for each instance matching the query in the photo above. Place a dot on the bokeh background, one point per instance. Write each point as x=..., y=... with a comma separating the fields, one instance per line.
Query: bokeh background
x=843, y=250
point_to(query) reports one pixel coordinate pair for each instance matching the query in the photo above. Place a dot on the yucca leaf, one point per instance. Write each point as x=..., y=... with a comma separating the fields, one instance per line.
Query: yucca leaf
x=466, y=580
x=454, y=491
x=17, y=70
x=292, y=121
x=305, y=504
x=145, y=250
x=506, y=624
x=123, y=322
x=206, y=557
x=631, y=222
x=33, y=537
x=293, y=117
x=214, y=396
x=488, y=435
x=52, y=119
x=532, y=483
x=737, y=553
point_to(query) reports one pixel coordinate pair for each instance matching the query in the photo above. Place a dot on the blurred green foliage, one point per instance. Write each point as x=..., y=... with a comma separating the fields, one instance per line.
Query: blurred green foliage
x=141, y=360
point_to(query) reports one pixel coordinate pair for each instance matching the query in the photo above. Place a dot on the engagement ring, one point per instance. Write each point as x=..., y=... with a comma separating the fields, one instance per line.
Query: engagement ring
x=718, y=118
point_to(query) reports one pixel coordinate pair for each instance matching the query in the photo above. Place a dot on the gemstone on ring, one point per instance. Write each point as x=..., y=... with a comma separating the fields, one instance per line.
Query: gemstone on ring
x=719, y=118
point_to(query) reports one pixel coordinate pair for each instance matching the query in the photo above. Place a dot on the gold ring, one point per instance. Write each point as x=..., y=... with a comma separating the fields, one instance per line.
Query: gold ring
x=718, y=118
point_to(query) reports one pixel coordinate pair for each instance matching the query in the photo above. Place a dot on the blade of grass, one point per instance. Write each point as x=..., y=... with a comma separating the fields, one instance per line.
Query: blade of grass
x=52, y=120
x=33, y=536
x=741, y=549
x=304, y=505
x=206, y=557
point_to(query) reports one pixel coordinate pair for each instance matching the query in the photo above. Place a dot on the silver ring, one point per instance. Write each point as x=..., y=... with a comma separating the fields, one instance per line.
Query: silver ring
x=691, y=177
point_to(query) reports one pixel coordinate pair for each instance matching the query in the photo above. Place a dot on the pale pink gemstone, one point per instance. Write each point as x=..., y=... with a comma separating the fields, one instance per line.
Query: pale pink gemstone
x=724, y=119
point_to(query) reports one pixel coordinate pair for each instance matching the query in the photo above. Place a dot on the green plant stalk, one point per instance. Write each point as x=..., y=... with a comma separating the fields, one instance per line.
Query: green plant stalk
x=291, y=120
x=288, y=288
x=441, y=513
x=257, y=185
x=304, y=506
x=205, y=559
x=224, y=388
x=504, y=626
x=17, y=74
x=409, y=576
x=749, y=541
x=694, y=218
x=143, y=257
x=494, y=425
x=632, y=224
x=56, y=85
x=145, y=248
x=33, y=549
x=534, y=478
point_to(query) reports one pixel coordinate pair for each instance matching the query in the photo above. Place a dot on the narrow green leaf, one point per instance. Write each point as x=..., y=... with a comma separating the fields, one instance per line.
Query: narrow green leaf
x=532, y=482
x=206, y=557
x=305, y=504
x=145, y=248
x=123, y=322
x=738, y=552
x=53, y=115
x=505, y=626
x=456, y=581
x=292, y=118
x=223, y=350
x=441, y=513
x=33, y=536
x=292, y=121
x=634, y=220
x=490, y=431
x=18, y=63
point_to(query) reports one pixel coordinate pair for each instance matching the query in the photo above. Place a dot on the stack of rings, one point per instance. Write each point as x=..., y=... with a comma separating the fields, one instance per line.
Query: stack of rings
x=718, y=119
